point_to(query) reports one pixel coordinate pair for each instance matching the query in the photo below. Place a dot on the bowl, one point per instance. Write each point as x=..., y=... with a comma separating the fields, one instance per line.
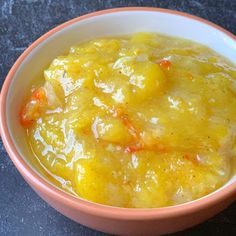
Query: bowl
x=36, y=58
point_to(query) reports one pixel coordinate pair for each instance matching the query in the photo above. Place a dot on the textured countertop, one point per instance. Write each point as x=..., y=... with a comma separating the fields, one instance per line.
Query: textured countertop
x=22, y=212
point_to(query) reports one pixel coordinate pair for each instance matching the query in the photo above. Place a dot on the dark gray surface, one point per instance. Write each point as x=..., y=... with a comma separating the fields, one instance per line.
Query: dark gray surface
x=22, y=212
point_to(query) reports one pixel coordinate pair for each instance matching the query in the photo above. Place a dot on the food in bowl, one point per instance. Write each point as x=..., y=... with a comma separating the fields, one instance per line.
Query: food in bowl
x=137, y=121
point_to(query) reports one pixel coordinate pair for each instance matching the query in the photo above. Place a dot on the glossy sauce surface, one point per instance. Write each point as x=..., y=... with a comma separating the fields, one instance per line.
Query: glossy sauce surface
x=137, y=121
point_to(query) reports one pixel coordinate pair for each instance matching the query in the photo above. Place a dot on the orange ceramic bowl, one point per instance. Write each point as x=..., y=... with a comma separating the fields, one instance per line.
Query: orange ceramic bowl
x=31, y=63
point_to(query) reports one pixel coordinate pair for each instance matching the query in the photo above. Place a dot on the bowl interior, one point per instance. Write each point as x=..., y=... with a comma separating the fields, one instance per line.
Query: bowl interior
x=110, y=23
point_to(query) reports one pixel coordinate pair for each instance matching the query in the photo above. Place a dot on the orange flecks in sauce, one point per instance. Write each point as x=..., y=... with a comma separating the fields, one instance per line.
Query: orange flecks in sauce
x=137, y=121
x=166, y=64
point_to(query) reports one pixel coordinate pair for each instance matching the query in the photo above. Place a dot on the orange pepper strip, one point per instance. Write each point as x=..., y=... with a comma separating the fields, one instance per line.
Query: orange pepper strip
x=191, y=157
x=157, y=148
x=119, y=113
x=24, y=119
x=31, y=110
x=133, y=149
x=133, y=131
x=139, y=146
x=165, y=64
x=187, y=157
x=38, y=94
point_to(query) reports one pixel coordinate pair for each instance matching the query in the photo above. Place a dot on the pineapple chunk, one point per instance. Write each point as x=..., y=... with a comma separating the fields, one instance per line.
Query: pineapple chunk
x=111, y=130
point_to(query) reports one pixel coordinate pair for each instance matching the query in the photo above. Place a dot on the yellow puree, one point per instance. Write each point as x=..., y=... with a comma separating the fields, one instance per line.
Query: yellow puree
x=139, y=121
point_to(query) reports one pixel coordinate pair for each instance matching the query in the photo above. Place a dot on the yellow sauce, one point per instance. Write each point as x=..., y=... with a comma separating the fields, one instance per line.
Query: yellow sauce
x=139, y=121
